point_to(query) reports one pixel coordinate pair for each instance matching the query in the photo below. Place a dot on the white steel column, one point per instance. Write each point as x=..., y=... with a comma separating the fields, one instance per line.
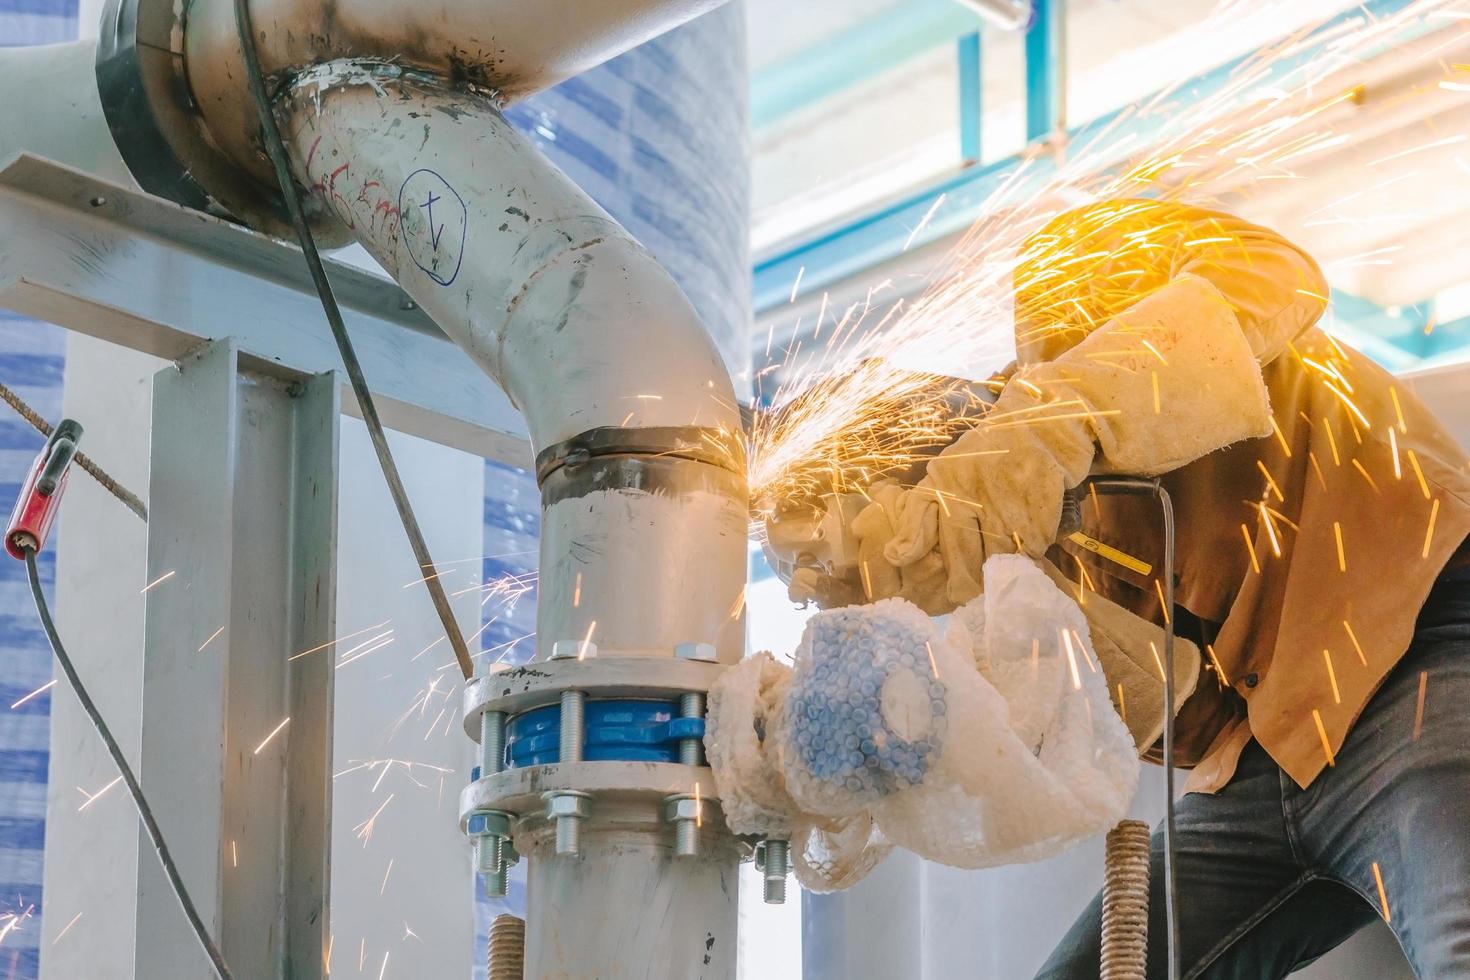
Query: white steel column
x=242, y=545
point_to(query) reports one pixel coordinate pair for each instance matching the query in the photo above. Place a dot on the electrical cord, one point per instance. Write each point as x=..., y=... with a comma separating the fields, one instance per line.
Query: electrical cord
x=145, y=813
x=276, y=149
x=1171, y=890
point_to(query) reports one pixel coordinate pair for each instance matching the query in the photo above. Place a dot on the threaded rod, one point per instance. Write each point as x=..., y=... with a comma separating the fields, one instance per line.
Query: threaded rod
x=691, y=750
x=492, y=742
x=1125, y=903
x=507, y=949
x=573, y=708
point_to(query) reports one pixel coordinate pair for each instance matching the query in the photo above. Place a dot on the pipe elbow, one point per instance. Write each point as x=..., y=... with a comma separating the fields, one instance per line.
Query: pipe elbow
x=573, y=318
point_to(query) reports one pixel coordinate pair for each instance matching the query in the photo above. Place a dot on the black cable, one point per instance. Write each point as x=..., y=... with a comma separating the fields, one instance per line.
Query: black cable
x=145, y=813
x=276, y=148
x=1171, y=888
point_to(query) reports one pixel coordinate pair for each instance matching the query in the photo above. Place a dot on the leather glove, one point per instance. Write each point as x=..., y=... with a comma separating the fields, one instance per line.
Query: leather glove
x=875, y=577
x=1167, y=381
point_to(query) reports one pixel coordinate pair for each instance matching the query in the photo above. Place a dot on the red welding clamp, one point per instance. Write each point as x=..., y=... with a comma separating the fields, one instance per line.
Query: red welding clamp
x=40, y=497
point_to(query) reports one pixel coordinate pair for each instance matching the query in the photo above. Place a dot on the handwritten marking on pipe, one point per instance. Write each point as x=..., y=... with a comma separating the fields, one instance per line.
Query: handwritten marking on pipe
x=433, y=220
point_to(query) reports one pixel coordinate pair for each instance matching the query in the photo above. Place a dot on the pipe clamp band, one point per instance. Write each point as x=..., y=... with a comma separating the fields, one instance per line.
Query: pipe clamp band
x=717, y=447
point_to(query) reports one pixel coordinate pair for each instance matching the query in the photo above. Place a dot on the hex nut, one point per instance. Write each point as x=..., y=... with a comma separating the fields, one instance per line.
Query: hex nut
x=566, y=805
x=683, y=808
x=573, y=650
x=697, y=651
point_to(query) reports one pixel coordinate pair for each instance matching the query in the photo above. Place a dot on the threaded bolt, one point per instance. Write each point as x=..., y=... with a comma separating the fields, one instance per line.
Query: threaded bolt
x=492, y=743
x=691, y=750
x=506, y=955
x=497, y=883
x=489, y=855
x=686, y=838
x=573, y=708
x=569, y=836
x=567, y=809
x=685, y=813
x=777, y=860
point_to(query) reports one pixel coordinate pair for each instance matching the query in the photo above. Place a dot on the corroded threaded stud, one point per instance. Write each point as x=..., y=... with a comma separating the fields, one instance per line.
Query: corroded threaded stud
x=1125, y=903
x=507, y=949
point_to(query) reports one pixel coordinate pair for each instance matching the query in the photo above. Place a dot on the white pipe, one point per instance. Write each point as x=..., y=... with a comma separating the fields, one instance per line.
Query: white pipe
x=53, y=109
x=576, y=320
x=579, y=324
x=511, y=48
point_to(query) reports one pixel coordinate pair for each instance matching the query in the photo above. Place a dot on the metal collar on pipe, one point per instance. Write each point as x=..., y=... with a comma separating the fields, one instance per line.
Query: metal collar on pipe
x=717, y=447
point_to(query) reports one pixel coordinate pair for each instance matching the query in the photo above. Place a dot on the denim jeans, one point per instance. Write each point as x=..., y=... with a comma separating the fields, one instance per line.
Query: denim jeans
x=1272, y=876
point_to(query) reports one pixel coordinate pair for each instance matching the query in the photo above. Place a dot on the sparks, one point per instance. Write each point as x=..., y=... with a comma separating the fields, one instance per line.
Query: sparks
x=1072, y=661
x=1382, y=895
x=158, y=581
x=94, y=797
x=1354, y=638
x=1251, y=547
x=1429, y=534
x=1322, y=733
x=36, y=693
x=1332, y=676
x=1270, y=530
x=1419, y=707
x=274, y=732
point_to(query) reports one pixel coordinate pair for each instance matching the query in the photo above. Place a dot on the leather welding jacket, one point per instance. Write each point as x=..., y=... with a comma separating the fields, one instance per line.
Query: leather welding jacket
x=1307, y=553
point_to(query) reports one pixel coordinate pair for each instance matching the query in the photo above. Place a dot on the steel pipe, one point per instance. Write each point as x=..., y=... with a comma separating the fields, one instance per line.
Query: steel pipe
x=508, y=48
x=575, y=320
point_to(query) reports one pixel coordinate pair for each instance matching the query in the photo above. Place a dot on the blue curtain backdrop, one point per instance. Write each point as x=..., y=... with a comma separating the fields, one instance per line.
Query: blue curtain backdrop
x=31, y=360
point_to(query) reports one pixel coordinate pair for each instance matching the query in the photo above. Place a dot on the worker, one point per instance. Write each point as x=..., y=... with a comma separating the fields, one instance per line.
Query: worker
x=1321, y=569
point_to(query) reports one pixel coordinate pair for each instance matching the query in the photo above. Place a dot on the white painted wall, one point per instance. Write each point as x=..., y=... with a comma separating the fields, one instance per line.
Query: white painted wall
x=92, y=855
x=420, y=917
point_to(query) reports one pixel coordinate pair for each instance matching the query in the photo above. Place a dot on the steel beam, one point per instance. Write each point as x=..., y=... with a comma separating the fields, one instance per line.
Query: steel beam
x=1046, y=70
x=242, y=548
x=969, y=56
x=135, y=270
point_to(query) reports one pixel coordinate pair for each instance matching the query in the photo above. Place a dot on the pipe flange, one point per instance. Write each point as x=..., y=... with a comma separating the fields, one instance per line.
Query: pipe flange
x=702, y=444
x=629, y=792
x=536, y=685
x=159, y=131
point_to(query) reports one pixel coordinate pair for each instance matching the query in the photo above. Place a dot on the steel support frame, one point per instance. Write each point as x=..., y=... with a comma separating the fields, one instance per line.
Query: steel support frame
x=135, y=270
x=242, y=546
x=242, y=531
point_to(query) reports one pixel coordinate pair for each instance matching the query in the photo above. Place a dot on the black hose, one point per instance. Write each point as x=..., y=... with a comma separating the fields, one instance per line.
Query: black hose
x=275, y=148
x=145, y=813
